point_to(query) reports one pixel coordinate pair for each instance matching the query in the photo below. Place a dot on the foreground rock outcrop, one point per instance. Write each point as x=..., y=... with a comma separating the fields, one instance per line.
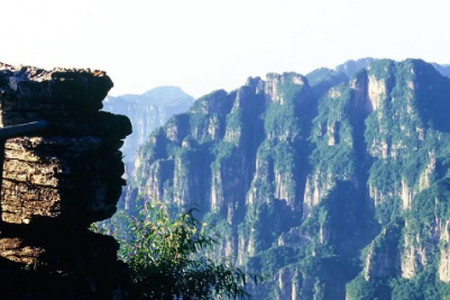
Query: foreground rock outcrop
x=57, y=181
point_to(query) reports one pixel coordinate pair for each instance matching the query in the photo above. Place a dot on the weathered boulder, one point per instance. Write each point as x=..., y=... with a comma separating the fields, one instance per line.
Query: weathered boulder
x=56, y=182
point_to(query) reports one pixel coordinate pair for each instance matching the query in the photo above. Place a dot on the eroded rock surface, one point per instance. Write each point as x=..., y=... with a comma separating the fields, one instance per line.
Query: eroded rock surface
x=56, y=182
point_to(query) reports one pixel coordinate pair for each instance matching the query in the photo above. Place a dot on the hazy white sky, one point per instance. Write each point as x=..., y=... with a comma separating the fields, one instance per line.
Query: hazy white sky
x=204, y=45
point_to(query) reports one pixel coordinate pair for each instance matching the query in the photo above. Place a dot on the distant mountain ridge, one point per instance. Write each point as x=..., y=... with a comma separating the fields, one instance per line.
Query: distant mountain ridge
x=162, y=96
x=335, y=185
x=350, y=67
x=146, y=112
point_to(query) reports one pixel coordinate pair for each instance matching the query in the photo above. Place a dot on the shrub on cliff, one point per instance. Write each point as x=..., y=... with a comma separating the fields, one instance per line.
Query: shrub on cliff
x=168, y=256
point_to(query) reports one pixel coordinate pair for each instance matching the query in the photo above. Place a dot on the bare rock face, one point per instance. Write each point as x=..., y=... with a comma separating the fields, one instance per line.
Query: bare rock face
x=57, y=181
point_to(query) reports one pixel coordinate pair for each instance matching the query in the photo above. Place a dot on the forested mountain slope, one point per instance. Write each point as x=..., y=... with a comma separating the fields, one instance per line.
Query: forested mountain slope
x=332, y=187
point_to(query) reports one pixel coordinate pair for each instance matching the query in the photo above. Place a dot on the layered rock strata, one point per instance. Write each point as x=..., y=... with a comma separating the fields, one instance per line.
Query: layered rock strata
x=57, y=181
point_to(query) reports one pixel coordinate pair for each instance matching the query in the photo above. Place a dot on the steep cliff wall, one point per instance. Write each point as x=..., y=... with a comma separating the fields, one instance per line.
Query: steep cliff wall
x=55, y=182
x=332, y=186
x=146, y=112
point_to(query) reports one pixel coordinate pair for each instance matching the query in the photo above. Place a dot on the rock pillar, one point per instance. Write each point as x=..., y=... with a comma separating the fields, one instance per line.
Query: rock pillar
x=55, y=182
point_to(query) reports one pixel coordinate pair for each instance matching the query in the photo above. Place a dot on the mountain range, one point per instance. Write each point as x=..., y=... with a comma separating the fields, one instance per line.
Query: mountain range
x=146, y=112
x=333, y=185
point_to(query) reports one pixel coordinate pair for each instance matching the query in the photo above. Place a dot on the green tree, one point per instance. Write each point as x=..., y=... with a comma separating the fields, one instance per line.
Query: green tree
x=168, y=257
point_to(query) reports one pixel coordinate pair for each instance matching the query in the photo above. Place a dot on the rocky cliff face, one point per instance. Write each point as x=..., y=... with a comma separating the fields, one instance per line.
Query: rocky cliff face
x=333, y=186
x=57, y=181
x=146, y=112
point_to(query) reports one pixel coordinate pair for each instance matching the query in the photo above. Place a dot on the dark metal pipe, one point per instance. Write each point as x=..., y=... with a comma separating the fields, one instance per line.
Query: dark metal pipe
x=22, y=129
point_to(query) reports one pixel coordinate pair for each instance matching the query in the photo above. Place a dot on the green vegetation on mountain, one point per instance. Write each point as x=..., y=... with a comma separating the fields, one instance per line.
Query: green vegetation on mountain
x=332, y=185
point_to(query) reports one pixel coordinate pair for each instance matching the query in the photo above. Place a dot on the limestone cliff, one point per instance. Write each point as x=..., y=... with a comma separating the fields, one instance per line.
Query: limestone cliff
x=56, y=182
x=333, y=185
x=146, y=112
